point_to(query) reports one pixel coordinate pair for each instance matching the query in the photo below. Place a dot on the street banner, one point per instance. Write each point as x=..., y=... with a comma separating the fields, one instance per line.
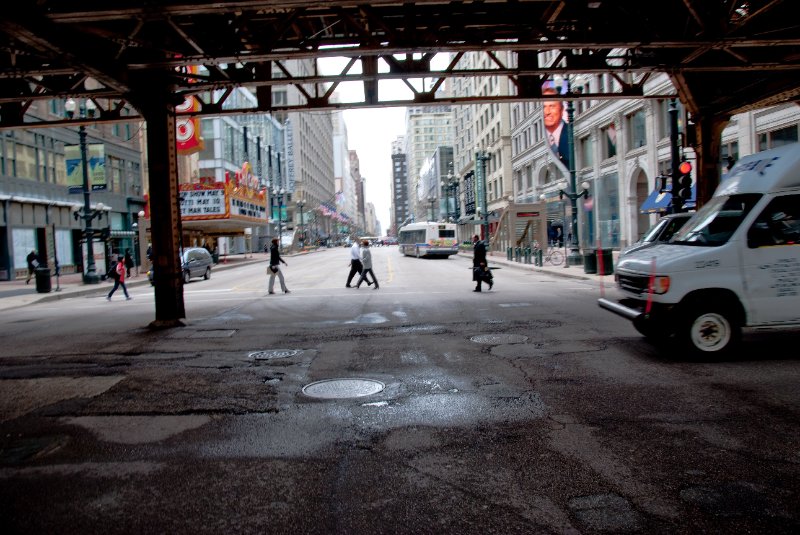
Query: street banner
x=96, y=159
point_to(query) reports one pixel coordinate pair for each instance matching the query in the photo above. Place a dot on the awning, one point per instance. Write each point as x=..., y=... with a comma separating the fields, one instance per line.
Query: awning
x=658, y=202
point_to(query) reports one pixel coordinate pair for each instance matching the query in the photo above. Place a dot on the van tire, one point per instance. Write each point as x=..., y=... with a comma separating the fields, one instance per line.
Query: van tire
x=207, y=274
x=709, y=330
x=187, y=277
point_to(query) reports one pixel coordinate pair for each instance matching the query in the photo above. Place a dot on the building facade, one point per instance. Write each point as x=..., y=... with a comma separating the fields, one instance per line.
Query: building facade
x=41, y=191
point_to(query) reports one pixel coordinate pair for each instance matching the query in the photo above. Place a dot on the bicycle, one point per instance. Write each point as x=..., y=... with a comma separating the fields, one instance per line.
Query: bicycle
x=552, y=255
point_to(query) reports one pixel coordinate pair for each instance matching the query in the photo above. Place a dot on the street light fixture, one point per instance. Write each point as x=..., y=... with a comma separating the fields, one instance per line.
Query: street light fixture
x=482, y=157
x=87, y=109
x=574, y=257
x=300, y=204
x=449, y=186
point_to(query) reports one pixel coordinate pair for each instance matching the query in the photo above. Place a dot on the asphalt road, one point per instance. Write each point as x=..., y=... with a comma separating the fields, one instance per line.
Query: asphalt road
x=525, y=409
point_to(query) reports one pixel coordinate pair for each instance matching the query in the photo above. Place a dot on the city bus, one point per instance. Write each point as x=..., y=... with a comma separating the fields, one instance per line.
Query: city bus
x=429, y=239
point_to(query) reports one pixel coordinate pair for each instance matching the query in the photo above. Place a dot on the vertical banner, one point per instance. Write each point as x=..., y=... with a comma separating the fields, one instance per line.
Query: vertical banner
x=187, y=129
x=556, y=131
x=96, y=159
x=289, y=141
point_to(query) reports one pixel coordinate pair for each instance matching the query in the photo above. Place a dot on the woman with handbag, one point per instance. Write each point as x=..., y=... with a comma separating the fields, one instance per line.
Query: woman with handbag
x=274, y=268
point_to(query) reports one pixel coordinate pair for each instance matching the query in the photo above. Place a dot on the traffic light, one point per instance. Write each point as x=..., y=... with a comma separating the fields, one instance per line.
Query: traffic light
x=685, y=180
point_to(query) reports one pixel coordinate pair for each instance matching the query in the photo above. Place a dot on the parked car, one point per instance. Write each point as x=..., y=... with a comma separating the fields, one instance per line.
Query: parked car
x=661, y=232
x=195, y=262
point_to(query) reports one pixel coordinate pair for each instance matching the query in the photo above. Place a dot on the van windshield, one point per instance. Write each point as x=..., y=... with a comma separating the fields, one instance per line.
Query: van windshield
x=714, y=224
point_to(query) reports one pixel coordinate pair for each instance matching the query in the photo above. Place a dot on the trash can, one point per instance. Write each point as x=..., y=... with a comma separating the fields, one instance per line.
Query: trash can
x=589, y=261
x=605, y=262
x=215, y=258
x=43, y=285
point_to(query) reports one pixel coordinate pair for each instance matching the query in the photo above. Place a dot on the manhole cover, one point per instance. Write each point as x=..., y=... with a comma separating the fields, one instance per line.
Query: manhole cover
x=499, y=338
x=342, y=388
x=273, y=354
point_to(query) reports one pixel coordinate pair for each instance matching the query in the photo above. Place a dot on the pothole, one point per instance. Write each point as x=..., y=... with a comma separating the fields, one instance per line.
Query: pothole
x=269, y=354
x=343, y=388
x=499, y=339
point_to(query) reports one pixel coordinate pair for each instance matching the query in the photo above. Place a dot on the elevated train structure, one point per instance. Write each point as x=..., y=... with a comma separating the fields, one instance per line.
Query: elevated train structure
x=140, y=60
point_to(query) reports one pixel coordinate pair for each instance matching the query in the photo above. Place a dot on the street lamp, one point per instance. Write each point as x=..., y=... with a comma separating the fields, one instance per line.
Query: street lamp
x=87, y=109
x=300, y=204
x=279, y=193
x=449, y=186
x=432, y=199
x=574, y=257
x=482, y=157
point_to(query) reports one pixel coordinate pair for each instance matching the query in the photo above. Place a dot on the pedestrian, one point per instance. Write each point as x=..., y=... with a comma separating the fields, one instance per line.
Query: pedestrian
x=480, y=270
x=274, y=268
x=118, y=274
x=366, y=263
x=355, y=263
x=128, y=262
x=33, y=263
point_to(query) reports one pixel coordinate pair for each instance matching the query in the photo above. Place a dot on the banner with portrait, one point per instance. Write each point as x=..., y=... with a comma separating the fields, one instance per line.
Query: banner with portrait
x=556, y=131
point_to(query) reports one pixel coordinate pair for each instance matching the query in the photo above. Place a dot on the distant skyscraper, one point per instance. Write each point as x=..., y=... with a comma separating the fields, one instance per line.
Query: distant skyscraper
x=400, y=209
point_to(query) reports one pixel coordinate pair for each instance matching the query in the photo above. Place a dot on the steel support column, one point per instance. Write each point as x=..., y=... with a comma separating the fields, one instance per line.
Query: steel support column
x=158, y=109
x=707, y=147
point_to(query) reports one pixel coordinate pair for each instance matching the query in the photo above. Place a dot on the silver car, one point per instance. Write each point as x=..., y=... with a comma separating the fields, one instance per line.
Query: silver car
x=661, y=232
x=196, y=262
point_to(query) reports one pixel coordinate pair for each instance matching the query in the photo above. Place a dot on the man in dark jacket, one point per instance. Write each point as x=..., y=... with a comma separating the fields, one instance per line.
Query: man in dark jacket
x=33, y=263
x=480, y=272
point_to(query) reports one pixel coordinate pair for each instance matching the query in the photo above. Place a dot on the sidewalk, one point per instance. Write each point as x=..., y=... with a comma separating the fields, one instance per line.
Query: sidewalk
x=16, y=293
x=573, y=272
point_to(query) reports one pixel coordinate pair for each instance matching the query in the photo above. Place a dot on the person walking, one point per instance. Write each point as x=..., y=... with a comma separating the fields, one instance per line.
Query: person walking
x=355, y=263
x=128, y=259
x=366, y=262
x=274, y=269
x=479, y=266
x=33, y=263
x=119, y=280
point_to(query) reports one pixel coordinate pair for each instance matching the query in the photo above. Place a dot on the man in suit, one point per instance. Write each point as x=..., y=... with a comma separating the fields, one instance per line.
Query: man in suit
x=479, y=272
x=556, y=128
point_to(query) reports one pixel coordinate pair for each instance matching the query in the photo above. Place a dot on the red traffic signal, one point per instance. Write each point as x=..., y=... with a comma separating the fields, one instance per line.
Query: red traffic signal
x=685, y=168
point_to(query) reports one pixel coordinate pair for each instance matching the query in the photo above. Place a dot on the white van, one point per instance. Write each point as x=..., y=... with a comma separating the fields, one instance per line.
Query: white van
x=734, y=264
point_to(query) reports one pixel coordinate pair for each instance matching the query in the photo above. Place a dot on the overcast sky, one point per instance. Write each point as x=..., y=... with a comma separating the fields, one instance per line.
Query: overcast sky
x=370, y=132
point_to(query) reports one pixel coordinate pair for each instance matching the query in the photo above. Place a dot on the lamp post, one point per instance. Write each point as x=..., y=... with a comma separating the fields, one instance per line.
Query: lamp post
x=300, y=204
x=432, y=199
x=450, y=186
x=279, y=193
x=87, y=109
x=482, y=157
x=574, y=256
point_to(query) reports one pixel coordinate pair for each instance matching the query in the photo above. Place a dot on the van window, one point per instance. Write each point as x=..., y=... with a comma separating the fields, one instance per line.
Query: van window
x=715, y=222
x=778, y=224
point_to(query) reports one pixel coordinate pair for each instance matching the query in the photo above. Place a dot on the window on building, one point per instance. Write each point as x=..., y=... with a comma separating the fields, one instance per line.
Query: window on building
x=586, y=145
x=637, y=131
x=777, y=138
x=609, y=137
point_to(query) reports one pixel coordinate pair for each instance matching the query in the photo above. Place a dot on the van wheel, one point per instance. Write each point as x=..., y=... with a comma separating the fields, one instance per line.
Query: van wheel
x=186, y=277
x=207, y=274
x=709, y=331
